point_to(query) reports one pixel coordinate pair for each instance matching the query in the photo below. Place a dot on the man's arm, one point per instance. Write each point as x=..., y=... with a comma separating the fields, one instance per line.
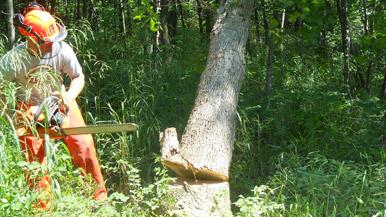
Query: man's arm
x=76, y=86
x=73, y=69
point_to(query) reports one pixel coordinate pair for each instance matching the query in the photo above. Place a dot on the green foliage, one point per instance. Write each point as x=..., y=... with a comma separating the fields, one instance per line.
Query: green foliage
x=260, y=204
x=317, y=186
x=310, y=148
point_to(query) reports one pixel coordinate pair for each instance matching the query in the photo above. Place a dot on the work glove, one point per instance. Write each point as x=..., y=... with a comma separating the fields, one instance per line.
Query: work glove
x=55, y=114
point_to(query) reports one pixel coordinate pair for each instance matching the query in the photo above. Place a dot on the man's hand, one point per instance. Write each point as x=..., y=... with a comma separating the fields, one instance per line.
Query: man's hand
x=55, y=114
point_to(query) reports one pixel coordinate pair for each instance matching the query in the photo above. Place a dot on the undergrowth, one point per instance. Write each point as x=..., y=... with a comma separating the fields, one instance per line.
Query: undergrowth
x=307, y=150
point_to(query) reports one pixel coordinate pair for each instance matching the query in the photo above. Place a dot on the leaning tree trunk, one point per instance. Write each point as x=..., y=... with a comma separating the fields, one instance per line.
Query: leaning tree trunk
x=11, y=29
x=203, y=158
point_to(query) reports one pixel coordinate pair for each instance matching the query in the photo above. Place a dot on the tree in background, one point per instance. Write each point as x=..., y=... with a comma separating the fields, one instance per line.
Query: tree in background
x=11, y=28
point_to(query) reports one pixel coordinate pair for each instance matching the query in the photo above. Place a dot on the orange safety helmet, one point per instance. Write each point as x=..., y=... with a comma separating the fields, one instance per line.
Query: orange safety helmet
x=40, y=24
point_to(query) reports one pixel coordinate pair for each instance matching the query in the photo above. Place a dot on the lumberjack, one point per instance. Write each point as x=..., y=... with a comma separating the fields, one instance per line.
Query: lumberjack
x=44, y=47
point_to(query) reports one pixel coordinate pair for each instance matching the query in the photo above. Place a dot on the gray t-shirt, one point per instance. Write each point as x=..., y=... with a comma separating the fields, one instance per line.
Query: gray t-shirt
x=20, y=66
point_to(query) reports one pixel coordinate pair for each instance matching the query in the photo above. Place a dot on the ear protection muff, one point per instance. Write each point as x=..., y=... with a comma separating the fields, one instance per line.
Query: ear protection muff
x=18, y=20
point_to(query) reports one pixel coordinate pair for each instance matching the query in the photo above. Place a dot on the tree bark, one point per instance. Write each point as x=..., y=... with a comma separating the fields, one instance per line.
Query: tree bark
x=365, y=18
x=345, y=32
x=257, y=25
x=172, y=18
x=181, y=10
x=122, y=17
x=383, y=68
x=129, y=19
x=164, y=32
x=208, y=20
x=11, y=28
x=86, y=5
x=323, y=41
x=94, y=17
x=77, y=9
x=205, y=151
x=155, y=38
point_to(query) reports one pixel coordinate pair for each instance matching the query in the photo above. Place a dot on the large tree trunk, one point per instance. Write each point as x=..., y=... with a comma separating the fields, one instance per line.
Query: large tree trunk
x=11, y=29
x=205, y=151
x=345, y=32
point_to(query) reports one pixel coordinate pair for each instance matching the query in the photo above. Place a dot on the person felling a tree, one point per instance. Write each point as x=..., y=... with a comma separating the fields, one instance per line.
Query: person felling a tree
x=45, y=49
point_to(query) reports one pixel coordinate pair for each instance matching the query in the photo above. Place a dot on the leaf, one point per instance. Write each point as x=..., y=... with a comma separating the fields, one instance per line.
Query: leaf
x=293, y=17
x=138, y=17
x=119, y=196
x=152, y=25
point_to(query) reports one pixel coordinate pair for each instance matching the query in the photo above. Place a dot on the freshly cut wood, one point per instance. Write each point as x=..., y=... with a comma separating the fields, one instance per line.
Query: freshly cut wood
x=170, y=149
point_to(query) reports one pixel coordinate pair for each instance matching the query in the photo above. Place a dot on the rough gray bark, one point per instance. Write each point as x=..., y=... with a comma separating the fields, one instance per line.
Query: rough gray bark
x=205, y=152
x=11, y=28
x=204, y=198
x=345, y=32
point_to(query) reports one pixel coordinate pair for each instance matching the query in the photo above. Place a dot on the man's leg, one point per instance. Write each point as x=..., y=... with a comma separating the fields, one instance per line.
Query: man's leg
x=83, y=152
x=33, y=149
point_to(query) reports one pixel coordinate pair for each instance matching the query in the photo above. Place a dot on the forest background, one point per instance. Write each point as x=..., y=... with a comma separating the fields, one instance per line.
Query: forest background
x=311, y=122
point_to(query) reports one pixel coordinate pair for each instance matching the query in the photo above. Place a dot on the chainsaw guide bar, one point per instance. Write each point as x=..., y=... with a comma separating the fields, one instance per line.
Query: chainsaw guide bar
x=91, y=129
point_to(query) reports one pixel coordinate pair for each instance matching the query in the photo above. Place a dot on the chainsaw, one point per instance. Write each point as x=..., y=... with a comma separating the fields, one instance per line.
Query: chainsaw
x=55, y=116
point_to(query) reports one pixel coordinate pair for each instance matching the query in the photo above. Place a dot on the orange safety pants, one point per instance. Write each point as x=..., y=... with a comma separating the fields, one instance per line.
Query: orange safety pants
x=81, y=148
